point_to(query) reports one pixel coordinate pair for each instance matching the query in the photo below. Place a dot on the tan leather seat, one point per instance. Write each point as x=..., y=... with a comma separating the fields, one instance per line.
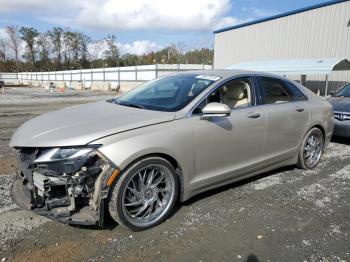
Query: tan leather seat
x=236, y=94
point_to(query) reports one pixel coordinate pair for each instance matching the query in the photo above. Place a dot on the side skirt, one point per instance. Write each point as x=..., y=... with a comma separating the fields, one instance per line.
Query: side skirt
x=244, y=173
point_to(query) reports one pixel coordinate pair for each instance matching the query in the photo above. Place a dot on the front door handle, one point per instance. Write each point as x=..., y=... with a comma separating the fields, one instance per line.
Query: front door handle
x=254, y=115
x=299, y=109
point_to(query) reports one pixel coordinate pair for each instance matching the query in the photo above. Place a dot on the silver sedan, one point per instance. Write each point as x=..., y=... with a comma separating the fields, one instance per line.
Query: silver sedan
x=167, y=140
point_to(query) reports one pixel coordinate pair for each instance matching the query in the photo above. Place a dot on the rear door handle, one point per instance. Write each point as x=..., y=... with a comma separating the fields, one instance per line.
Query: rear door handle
x=254, y=115
x=299, y=109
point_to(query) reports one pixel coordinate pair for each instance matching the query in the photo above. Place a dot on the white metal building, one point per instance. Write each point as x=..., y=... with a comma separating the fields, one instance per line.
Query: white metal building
x=315, y=32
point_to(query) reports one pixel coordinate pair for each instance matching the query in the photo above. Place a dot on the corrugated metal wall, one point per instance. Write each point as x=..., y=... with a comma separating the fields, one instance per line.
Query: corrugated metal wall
x=318, y=33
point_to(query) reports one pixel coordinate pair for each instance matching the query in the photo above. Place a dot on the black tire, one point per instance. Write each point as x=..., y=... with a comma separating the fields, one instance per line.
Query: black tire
x=302, y=162
x=116, y=207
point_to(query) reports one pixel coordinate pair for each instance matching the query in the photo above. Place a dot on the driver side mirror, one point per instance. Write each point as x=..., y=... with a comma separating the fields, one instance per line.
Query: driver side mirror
x=332, y=93
x=215, y=109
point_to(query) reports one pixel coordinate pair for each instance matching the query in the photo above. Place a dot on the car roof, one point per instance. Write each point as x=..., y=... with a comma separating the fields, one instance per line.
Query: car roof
x=228, y=73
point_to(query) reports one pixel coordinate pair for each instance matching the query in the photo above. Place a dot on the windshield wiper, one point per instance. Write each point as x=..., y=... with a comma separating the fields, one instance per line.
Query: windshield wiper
x=136, y=105
x=130, y=105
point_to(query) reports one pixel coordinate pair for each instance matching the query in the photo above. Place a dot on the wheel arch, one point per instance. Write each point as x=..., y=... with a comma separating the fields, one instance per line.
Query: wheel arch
x=319, y=126
x=175, y=164
x=301, y=162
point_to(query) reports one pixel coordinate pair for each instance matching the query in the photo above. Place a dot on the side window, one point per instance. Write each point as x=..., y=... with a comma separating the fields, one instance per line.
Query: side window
x=274, y=91
x=297, y=94
x=236, y=94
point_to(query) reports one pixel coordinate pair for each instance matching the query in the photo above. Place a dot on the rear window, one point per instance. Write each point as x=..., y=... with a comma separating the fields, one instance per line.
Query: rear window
x=297, y=94
x=274, y=91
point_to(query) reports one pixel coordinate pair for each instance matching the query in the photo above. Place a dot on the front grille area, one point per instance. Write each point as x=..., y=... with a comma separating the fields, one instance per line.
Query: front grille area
x=63, y=188
x=342, y=116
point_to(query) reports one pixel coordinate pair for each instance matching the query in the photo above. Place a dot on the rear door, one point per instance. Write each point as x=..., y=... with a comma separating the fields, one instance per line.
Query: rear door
x=287, y=115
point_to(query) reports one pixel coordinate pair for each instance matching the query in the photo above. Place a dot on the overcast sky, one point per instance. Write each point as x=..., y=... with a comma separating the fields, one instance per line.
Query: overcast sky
x=143, y=25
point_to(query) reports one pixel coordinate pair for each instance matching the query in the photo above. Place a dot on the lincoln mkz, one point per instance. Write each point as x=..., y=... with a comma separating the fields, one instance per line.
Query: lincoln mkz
x=135, y=156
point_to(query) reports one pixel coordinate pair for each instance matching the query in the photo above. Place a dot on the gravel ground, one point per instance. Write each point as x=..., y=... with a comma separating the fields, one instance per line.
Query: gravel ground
x=284, y=215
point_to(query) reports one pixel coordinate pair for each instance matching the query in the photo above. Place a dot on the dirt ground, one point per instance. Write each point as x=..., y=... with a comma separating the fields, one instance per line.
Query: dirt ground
x=284, y=215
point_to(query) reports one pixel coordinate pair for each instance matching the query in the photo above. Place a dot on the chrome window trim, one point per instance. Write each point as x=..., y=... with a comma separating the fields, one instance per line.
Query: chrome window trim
x=254, y=77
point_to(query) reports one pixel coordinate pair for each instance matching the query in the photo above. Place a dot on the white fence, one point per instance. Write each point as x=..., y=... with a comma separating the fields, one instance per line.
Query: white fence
x=115, y=76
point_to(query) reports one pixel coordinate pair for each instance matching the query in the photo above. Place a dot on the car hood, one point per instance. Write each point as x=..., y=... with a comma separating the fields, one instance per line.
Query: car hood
x=341, y=104
x=82, y=124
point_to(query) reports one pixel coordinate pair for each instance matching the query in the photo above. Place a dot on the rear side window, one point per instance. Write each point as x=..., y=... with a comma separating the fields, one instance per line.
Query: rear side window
x=274, y=91
x=297, y=94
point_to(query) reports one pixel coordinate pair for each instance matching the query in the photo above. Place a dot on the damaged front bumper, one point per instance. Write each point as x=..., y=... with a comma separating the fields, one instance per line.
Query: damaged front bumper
x=71, y=191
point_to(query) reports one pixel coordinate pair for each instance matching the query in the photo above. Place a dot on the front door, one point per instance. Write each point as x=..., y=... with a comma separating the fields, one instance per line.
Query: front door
x=226, y=145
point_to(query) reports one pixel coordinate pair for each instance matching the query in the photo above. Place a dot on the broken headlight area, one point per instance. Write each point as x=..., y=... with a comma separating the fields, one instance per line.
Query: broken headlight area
x=68, y=184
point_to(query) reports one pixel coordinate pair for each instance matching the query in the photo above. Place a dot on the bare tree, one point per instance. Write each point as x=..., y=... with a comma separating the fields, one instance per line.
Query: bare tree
x=29, y=36
x=3, y=48
x=84, y=42
x=62, y=48
x=181, y=48
x=75, y=49
x=56, y=35
x=95, y=49
x=71, y=48
x=112, y=52
x=75, y=42
x=44, y=46
x=12, y=32
x=66, y=47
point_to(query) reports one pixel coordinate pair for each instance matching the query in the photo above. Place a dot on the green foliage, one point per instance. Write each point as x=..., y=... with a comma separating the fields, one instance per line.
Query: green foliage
x=56, y=37
x=29, y=36
x=63, y=49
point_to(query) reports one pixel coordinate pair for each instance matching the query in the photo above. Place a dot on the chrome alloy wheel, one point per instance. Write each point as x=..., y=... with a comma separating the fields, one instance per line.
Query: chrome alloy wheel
x=313, y=148
x=148, y=194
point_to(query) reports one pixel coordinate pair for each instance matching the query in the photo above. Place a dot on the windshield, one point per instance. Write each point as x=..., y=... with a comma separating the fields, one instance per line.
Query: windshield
x=345, y=91
x=170, y=93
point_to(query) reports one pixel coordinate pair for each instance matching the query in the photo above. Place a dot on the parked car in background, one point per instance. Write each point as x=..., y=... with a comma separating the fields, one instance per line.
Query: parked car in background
x=2, y=86
x=167, y=140
x=341, y=106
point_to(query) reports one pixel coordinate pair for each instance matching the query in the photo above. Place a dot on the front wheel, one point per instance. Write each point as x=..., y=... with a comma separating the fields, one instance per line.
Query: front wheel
x=311, y=149
x=144, y=195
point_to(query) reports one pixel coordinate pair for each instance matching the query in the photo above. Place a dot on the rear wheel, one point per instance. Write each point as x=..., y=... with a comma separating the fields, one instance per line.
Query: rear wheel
x=311, y=149
x=144, y=195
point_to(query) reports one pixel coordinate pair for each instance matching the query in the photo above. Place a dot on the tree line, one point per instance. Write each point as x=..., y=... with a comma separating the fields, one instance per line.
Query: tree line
x=27, y=49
